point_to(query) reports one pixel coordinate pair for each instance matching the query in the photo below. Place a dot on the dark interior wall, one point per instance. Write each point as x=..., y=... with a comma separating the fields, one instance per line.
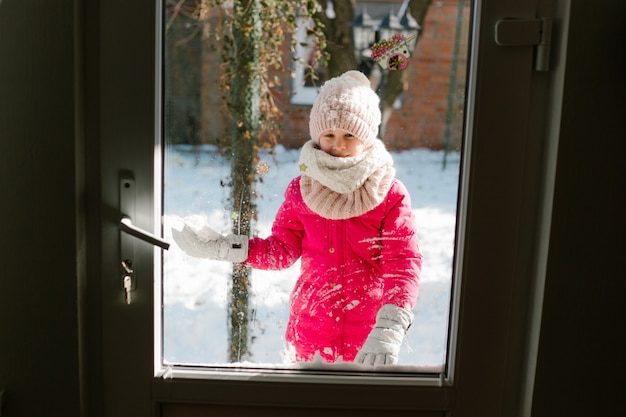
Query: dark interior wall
x=39, y=256
x=581, y=363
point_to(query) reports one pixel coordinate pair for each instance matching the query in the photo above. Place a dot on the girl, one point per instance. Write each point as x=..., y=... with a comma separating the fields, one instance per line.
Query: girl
x=350, y=222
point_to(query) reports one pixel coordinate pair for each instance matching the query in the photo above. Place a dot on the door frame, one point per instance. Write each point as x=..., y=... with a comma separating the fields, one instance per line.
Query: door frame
x=503, y=203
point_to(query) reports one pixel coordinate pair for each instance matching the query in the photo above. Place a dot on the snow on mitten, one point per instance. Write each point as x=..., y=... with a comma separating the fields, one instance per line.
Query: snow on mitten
x=209, y=244
x=383, y=343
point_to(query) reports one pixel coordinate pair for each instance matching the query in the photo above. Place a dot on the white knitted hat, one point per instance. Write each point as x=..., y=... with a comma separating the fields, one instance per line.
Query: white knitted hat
x=346, y=102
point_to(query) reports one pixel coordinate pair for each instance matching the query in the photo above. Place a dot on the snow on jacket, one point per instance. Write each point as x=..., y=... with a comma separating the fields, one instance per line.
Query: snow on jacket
x=349, y=269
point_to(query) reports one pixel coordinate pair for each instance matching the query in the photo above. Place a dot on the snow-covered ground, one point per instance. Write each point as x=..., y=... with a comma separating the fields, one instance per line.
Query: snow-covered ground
x=196, y=291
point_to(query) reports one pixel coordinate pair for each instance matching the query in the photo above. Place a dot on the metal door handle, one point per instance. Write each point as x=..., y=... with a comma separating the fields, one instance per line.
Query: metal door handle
x=128, y=233
x=126, y=225
x=127, y=213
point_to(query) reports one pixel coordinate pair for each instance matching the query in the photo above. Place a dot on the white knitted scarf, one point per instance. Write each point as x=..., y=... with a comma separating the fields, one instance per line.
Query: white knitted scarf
x=341, y=188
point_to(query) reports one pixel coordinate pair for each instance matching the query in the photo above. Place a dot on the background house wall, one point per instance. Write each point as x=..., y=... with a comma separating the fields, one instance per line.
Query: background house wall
x=431, y=113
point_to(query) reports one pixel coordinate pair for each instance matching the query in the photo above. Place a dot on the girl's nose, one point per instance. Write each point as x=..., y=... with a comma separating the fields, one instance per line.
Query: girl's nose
x=338, y=143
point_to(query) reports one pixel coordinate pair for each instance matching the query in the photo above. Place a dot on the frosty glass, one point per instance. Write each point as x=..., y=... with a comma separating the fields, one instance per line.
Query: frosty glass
x=424, y=135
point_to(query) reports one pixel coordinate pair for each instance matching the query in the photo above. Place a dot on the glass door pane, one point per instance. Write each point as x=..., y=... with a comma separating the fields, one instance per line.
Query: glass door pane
x=422, y=129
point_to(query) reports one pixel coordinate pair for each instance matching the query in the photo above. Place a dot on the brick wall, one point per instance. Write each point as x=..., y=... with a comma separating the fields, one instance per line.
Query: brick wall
x=431, y=114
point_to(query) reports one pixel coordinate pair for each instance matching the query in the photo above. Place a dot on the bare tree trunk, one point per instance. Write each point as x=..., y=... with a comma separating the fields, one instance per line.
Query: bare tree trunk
x=338, y=32
x=396, y=82
x=244, y=107
x=418, y=9
x=456, y=94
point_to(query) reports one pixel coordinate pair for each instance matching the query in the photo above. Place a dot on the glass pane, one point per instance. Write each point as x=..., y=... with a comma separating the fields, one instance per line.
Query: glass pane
x=211, y=318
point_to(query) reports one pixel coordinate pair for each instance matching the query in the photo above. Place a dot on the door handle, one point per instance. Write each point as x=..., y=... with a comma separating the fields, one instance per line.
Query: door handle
x=129, y=232
x=127, y=226
x=127, y=214
x=127, y=211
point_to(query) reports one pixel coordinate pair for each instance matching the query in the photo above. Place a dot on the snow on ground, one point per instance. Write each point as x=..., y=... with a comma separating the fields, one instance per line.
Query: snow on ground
x=196, y=291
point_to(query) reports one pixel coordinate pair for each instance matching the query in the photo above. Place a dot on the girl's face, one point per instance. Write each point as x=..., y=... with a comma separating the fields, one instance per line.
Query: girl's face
x=338, y=142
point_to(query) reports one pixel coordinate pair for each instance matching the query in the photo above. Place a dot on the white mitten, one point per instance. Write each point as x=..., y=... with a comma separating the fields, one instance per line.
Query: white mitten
x=210, y=244
x=383, y=343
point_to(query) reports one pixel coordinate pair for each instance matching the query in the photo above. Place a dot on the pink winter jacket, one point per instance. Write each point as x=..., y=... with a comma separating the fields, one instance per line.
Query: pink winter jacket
x=349, y=269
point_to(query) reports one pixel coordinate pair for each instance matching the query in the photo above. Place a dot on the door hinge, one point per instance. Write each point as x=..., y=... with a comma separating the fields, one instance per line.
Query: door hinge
x=528, y=32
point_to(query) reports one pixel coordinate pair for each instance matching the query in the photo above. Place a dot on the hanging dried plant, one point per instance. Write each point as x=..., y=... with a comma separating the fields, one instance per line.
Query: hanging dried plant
x=277, y=22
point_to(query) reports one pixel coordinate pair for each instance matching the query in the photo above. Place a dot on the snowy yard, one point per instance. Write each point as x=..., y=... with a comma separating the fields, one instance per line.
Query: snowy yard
x=196, y=291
